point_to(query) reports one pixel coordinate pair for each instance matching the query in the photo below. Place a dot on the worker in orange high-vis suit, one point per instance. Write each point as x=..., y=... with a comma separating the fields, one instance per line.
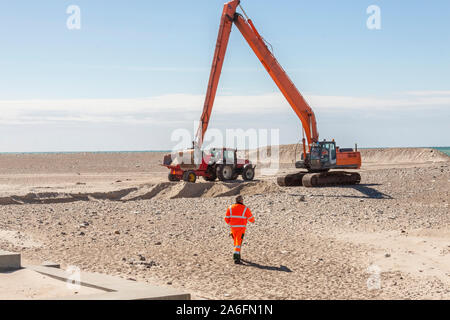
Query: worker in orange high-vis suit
x=237, y=216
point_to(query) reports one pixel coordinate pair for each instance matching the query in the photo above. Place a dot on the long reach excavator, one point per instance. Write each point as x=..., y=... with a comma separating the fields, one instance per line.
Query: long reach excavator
x=318, y=157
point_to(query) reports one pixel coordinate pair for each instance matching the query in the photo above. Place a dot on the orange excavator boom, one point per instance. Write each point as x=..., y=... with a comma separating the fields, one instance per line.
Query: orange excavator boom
x=270, y=63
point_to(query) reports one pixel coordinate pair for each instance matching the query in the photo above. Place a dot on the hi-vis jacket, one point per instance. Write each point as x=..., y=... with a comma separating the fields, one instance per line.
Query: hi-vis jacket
x=238, y=215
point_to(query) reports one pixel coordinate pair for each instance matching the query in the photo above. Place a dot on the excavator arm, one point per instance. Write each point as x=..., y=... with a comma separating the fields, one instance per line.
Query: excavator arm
x=226, y=22
x=270, y=63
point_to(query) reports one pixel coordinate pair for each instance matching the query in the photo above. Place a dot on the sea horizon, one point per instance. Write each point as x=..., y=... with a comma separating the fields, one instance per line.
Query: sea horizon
x=444, y=149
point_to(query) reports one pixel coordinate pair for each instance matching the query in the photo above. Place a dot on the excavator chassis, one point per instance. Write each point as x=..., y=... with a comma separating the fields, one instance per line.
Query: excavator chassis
x=321, y=179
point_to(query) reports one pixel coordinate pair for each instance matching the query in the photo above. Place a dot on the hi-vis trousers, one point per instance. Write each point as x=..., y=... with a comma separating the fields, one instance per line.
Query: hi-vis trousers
x=238, y=236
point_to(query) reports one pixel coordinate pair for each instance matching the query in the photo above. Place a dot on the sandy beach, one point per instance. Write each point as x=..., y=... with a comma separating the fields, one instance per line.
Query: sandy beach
x=116, y=213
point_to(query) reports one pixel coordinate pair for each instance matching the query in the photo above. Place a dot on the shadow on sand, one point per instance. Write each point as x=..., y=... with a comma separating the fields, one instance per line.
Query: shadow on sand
x=367, y=192
x=262, y=267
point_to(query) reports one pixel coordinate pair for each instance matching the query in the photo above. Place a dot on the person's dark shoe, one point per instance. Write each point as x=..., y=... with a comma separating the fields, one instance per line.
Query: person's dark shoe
x=237, y=258
x=237, y=261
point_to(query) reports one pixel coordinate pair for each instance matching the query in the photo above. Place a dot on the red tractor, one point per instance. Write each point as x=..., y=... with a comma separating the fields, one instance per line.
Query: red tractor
x=216, y=163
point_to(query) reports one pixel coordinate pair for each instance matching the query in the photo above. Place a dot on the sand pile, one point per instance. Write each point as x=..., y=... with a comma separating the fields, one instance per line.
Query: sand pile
x=201, y=190
x=164, y=190
x=289, y=154
x=403, y=155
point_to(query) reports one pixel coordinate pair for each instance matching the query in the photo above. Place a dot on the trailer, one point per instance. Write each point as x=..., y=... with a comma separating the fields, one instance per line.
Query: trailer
x=216, y=163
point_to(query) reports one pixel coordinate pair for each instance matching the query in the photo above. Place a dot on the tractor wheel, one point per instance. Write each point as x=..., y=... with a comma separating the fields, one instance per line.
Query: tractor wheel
x=173, y=178
x=189, y=176
x=212, y=175
x=248, y=174
x=225, y=172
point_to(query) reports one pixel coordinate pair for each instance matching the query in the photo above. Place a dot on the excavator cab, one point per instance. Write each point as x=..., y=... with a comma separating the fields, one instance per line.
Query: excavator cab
x=322, y=157
x=327, y=151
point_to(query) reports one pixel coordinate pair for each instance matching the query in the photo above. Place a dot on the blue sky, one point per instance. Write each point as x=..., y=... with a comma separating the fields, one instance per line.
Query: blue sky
x=137, y=70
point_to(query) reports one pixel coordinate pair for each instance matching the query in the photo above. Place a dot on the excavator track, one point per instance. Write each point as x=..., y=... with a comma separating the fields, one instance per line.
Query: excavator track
x=291, y=180
x=333, y=178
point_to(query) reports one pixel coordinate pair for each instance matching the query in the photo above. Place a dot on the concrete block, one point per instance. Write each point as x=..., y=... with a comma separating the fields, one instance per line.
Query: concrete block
x=114, y=288
x=9, y=261
x=50, y=264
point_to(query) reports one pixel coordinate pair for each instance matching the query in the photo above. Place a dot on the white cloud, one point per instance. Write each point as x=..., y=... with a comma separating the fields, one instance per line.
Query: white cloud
x=177, y=108
x=370, y=103
x=429, y=93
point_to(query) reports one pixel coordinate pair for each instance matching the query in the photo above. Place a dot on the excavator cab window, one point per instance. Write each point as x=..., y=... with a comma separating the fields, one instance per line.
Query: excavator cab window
x=333, y=152
x=327, y=152
x=315, y=153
